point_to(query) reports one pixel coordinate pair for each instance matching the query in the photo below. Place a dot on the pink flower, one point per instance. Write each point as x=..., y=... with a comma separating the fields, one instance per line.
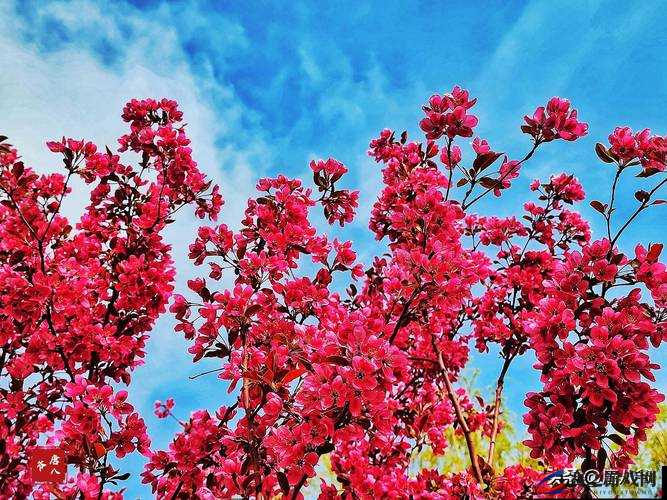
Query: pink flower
x=556, y=121
x=163, y=410
x=454, y=155
x=460, y=123
x=480, y=146
x=623, y=143
x=361, y=375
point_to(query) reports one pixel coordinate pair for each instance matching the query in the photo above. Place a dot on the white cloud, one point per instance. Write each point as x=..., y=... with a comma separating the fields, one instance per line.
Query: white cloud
x=66, y=90
x=69, y=92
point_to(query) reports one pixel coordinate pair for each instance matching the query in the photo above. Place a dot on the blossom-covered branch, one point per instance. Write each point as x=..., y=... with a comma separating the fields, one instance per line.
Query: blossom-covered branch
x=77, y=303
x=369, y=377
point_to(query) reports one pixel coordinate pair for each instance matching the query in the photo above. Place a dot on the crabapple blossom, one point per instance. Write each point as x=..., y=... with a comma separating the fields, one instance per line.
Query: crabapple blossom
x=78, y=300
x=370, y=376
x=321, y=354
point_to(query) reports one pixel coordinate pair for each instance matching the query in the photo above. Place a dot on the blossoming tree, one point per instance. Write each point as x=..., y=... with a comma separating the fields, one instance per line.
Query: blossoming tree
x=77, y=303
x=368, y=376
x=321, y=355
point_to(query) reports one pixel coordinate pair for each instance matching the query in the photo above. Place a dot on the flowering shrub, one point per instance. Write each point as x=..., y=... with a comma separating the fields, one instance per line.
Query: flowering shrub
x=366, y=373
x=369, y=376
x=77, y=303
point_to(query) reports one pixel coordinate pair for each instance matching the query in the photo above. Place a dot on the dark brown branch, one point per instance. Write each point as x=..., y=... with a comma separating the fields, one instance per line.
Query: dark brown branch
x=496, y=408
x=643, y=206
x=461, y=420
x=298, y=487
x=465, y=205
x=403, y=316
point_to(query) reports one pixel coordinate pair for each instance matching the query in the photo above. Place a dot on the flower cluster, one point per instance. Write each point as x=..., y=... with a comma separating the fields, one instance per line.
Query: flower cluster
x=595, y=381
x=639, y=148
x=163, y=410
x=339, y=204
x=370, y=377
x=555, y=121
x=155, y=132
x=448, y=115
x=77, y=303
x=322, y=355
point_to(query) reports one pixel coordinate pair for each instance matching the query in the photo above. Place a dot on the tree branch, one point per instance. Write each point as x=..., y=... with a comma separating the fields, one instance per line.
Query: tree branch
x=404, y=312
x=461, y=419
x=465, y=205
x=496, y=408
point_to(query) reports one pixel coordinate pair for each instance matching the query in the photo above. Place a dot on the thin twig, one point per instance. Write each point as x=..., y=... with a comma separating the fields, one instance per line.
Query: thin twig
x=465, y=205
x=496, y=408
x=461, y=419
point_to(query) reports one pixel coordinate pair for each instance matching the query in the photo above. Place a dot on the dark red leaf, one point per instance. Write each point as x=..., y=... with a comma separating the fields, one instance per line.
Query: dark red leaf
x=597, y=205
x=654, y=252
x=253, y=309
x=338, y=360
x=603, y=154
x=602, y=458
x=292, y=374
x=17, y=169
x=485, y=160
x=617, y=439
x=647, y=172
x=488, y=182
x=617, y=258
x=282, y=480
x=621, y=428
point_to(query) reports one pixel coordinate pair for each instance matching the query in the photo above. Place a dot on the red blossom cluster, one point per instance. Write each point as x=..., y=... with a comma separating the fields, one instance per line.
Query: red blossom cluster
x=633, y=149
x=448, y=115
x=77, y=302
x=339, y=205
x=322, y=355
x=555, y=121
x=369, y=377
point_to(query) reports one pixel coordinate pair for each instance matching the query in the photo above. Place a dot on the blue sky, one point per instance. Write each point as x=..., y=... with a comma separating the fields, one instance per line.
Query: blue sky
x=267, y=86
